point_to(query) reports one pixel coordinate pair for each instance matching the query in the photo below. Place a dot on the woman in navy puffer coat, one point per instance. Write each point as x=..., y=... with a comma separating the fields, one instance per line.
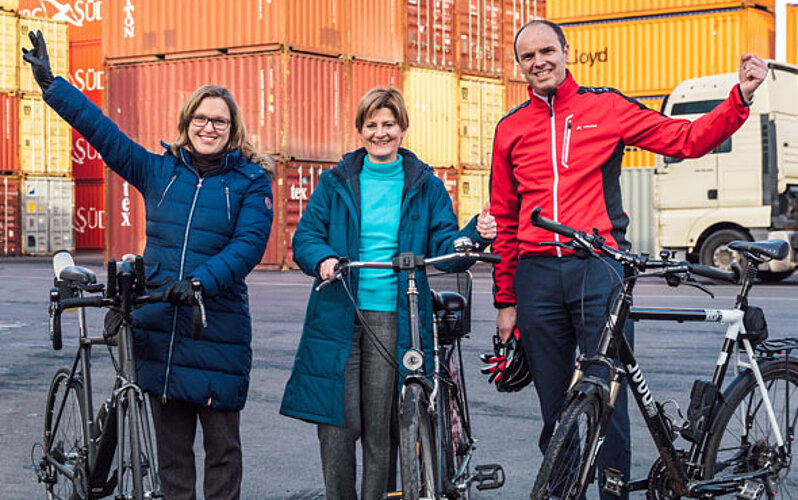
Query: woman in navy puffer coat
x=209, y=212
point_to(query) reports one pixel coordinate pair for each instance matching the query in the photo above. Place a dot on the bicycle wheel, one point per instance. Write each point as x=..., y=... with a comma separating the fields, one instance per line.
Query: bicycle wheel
x=454, y=429
x=563, y=473
x=138, y=477
x=741, y=438
x=416, y=453
x=63, y=439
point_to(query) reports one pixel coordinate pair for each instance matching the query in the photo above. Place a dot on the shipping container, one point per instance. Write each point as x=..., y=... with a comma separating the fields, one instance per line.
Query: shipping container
x=635, y=157
x=516, y=14
x=577, y=11
x=481, y=108
x=55, y=34
x=792, y=33
x=125, y=218
x=9, y=5
x=45, y=140
x=9, y=45
x=637, y=192
x=449, y=177
x=86, y=69
x=360, y=77
x=515, y=93
x=9, y=217
x=47, y=207
x=89, y=224
x=299, y=179
x=430, y=33
x=480, y=35
x=375, y=30
x=9, y=133
x=151, y=28
x=431, y=99
x=638, y=56
x=472, y=192
x=87, y=164
x=84, y=17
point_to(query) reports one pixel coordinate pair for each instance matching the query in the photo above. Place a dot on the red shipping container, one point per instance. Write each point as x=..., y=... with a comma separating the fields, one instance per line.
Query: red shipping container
x=361, y=76
x=89, y=222
x=516, y=14
x=125, y=218
x=515, y=93
x=299, y=179
x=480, y=33
x=376, y=30
x=84, y=17
x=86, y=72
x=449, y=177
x=9, y=215
x=430, y=33
x=9, y=133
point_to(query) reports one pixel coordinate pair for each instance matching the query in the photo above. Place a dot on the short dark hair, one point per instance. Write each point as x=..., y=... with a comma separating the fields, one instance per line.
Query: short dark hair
x=556, y=27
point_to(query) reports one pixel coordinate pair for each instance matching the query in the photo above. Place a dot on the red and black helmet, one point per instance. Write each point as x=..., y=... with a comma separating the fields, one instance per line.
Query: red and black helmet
x=507, y=365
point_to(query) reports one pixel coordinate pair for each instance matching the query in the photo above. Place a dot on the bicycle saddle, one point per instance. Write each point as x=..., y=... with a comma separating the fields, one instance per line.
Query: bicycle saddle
x=773, y=249
x=447, y=301
x=78, y=274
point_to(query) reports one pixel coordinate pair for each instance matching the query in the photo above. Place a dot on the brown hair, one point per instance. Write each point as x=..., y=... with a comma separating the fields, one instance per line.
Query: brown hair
x=382, y=97
x=239, y=140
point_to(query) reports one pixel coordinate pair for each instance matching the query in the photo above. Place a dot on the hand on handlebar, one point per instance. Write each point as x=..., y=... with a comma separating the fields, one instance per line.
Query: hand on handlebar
x=179, y=292
x=327, y=268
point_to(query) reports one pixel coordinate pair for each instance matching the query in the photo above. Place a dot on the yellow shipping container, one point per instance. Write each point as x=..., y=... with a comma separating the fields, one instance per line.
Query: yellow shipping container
x=45, y=140
x=792, y=34
x=12, y=5
x=481, y=108
x=651, y=56
x=55, y=34
x=573, y=11
x=635, y=157
x=9, y=49
x=473, y=190
x=431, y=98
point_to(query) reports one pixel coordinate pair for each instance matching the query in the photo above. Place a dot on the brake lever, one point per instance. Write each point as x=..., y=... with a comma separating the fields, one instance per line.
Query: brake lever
x=694, y=283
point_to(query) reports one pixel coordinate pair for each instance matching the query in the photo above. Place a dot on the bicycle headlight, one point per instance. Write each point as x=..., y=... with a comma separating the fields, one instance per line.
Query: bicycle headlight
x=413, y=360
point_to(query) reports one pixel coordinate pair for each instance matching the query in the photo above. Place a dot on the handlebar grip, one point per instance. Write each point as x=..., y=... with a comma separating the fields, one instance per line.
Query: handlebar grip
x=490, y=258
x=96, y=301
x=198, y=319
x=55, y=320
x=550, y=225
x=110, y=290
x=714, y=273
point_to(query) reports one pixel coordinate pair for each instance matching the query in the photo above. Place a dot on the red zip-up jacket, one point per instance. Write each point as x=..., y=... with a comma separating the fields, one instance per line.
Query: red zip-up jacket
x=563, y=153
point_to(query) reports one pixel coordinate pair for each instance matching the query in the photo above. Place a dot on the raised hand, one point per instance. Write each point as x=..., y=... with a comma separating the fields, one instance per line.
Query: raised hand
x=486, y=223
x=39, y=60
x=753, y=71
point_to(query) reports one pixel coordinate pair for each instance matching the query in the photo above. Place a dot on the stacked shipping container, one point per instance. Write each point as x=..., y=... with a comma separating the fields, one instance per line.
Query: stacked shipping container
x=792, y=33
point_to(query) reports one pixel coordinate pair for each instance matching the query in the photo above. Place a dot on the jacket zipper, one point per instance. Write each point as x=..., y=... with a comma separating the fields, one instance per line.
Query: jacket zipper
x=566, y=142
x=163, y=196
x=555, y=187
x=227, y=196
x=179, y=277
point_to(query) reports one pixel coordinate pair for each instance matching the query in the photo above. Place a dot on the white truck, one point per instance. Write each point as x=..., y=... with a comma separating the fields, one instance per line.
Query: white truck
x=746, y=189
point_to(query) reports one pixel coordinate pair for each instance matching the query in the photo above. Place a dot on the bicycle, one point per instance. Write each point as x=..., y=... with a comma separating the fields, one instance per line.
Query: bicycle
x=435, y=441
x=740, y=436
x=79, y=445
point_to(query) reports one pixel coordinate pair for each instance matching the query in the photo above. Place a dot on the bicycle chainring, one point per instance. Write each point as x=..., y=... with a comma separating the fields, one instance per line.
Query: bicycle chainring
x=659, y=483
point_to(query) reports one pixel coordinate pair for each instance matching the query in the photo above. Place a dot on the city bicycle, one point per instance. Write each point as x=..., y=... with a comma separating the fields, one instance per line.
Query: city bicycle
x=739, y=436
x=88, y=455
x=435, y=441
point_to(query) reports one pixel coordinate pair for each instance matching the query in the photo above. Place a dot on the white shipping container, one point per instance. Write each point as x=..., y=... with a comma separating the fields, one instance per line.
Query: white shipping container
x=47, y=210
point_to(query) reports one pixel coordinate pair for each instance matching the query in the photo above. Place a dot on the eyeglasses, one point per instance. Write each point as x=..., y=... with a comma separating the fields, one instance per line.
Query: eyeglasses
x=218, y=124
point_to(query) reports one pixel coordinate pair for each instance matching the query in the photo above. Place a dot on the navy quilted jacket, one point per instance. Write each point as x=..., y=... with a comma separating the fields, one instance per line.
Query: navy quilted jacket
x=213, y=228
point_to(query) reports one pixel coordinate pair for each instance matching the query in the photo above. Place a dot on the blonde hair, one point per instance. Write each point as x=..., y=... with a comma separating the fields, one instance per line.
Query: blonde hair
x=239, y=140
x=382, y=97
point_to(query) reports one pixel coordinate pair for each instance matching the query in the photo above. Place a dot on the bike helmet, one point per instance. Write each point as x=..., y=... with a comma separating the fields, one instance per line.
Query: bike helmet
x=507, y=365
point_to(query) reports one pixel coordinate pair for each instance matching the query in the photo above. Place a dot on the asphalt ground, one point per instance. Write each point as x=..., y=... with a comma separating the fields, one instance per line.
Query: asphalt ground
x=281, y=459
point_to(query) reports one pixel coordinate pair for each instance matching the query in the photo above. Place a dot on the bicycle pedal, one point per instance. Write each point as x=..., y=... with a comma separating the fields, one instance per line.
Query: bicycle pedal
x=489, y=476
x=750, y=491
x=612, y=482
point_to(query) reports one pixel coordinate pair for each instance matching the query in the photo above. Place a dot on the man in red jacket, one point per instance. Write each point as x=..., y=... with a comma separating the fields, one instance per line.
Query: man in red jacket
x=562, y=151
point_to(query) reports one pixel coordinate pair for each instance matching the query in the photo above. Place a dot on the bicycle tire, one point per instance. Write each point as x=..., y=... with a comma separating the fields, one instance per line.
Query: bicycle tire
x=416, y=452
x=569, y=454
x=66, y=442
x=455, y=438
x=739, y=444
x=138, y=476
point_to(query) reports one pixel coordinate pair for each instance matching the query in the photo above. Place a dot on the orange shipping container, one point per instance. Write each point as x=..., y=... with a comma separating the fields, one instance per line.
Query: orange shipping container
x=637, y=56
x=87, y=73
x=9, y=215
x=375, y=30
x=515, y=93
x=572, y=11
x=125, y=218
x=146, y=28
x=430, y=33
x=298, y=182
x=89, y=224
x=792, y=34
x=84, y=17
x=516, y=14
x=361, y=76
x=480, y=33
x=9, y=133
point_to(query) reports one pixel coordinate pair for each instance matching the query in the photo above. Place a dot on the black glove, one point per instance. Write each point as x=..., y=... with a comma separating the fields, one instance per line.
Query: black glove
x=179, y=292
x=39, y=60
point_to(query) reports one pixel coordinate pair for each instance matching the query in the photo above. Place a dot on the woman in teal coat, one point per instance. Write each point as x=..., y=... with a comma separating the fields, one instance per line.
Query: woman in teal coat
x=380, y=200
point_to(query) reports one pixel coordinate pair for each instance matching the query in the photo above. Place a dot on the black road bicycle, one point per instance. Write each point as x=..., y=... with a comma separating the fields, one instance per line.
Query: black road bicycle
x=435, y=441
x=739, y=436
x=88, y=455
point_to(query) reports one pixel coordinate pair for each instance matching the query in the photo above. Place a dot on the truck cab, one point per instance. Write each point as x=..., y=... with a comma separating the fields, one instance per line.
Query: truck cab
x=747, y=188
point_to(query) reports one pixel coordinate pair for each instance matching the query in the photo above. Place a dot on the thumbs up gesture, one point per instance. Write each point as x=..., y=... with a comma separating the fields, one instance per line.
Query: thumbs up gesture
x=486, y=223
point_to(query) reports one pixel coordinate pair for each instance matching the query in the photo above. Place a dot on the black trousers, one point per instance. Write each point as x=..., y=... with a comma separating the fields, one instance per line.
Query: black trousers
x=175, y=428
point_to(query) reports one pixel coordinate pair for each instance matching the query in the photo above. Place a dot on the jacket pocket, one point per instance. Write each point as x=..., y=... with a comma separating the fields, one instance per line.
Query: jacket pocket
x=566, y=141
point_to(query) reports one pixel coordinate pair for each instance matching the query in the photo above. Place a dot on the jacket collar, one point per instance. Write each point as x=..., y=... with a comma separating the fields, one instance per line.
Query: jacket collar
x=565, y=90
x=229, y=160
x=352, y=163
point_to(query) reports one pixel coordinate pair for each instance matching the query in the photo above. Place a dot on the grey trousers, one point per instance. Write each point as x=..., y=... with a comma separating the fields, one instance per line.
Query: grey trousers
x=175, y=427
x=369, y=393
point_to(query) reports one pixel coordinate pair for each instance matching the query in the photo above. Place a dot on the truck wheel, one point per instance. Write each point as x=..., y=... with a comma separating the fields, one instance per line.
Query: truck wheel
x=715, y=250
x=773, y=277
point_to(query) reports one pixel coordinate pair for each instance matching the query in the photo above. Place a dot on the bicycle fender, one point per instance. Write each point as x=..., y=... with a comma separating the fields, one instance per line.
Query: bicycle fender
x=591, y=387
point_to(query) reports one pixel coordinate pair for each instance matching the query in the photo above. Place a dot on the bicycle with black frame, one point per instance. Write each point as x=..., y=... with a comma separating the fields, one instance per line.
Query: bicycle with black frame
x=88, y=455
x=738, y=436
x=435, y=441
